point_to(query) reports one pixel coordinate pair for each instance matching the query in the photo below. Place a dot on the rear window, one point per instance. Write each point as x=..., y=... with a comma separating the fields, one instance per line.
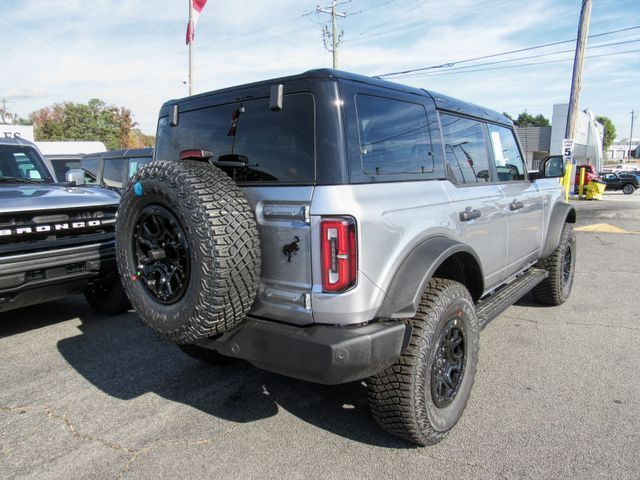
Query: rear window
x=279, y=145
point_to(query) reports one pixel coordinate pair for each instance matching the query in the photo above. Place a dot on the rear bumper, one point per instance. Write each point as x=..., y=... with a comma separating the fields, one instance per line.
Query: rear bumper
x=321, y=353
x=27, y=279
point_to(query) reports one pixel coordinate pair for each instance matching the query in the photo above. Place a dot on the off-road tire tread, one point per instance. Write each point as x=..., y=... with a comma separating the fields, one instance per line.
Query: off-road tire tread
x=397, y=394
x=222, y=226
x=550, y=290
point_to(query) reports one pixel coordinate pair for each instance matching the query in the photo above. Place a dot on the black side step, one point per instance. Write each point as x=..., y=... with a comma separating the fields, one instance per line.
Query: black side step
x=492, y=306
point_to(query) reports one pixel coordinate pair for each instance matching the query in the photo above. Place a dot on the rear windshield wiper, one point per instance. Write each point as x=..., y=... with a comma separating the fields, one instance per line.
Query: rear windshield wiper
x=19, y=180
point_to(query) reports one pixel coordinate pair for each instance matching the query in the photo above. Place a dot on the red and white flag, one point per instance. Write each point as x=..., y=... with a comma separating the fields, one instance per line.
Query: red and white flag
x=197, y=6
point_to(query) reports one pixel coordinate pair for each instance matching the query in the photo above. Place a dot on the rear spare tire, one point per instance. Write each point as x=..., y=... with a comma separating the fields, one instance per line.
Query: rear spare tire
x=188, y=250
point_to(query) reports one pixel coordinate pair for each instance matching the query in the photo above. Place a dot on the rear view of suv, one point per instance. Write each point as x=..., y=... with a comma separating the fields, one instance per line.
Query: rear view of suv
x=334, y=227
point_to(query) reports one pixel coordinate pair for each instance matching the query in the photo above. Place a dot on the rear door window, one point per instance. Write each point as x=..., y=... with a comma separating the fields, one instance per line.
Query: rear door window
x=135, y=164
x=465, y=149
x=279, y=145
x=394, y=136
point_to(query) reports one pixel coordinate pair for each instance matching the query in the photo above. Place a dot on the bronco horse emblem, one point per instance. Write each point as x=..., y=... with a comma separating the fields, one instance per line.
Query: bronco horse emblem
x=291, y=248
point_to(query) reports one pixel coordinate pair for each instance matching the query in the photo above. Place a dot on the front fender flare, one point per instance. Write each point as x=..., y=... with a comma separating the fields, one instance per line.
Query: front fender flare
x=561, y=214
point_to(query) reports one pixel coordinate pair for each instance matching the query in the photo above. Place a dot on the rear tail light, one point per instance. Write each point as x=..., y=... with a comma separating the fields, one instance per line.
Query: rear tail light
x=195, y=154
x=339, y=254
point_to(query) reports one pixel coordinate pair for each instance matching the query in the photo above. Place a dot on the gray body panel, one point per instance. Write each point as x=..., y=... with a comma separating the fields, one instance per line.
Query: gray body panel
x=26, y=198
x=487, y=234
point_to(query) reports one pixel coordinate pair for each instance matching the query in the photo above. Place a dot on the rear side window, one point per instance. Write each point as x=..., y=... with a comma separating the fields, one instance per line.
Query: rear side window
x=465, y=149
x=279, y=145
x=112, y=172
x=394, y=136
x=509, y=164
x=135, y=164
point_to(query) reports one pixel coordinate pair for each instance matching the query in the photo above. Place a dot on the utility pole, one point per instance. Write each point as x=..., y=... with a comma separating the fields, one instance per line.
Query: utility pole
x=630, y=136
x=576, y=81
x=335, y=37
x=5, y=115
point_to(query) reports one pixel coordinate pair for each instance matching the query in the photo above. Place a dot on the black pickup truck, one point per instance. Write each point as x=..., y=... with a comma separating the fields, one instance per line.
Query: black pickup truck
x=55, y=239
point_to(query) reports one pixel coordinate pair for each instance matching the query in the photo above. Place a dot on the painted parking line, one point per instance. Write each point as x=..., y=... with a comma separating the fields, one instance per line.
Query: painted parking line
x=604, y=228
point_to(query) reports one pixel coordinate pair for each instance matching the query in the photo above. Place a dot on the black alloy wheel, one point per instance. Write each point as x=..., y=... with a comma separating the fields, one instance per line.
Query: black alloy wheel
x=447, y=370
x=567, y=265
x=161, y=254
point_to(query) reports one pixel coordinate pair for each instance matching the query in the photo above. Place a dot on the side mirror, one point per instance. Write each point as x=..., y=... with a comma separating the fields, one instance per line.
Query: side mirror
x=552, y=167
x=76, y=175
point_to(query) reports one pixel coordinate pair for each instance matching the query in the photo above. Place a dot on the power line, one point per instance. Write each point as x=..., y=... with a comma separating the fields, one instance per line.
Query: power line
x=535, y=47
x=446, y=72
x=557, y=52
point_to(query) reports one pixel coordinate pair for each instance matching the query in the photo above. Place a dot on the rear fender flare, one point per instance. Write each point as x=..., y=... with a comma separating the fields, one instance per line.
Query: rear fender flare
x=402, y=298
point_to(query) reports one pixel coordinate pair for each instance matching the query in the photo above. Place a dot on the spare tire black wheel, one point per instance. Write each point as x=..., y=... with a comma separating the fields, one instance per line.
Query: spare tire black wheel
x=188, y=249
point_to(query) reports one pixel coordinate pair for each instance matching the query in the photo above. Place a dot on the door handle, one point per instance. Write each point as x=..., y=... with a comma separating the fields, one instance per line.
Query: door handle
x=469, y=214
x=516, y=205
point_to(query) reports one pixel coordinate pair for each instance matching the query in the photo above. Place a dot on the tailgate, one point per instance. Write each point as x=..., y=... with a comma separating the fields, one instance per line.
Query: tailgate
x=282, y=214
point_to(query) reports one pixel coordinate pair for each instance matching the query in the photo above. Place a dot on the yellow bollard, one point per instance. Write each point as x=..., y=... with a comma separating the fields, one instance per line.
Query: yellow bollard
x=581, y=187
x=566, y=181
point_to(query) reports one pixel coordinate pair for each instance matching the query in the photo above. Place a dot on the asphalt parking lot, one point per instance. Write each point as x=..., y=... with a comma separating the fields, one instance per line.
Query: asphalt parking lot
x=557, y=393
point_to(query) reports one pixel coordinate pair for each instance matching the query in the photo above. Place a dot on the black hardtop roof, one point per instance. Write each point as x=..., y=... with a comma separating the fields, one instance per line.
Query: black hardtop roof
x=17, y=141
x=442, y=102
x=124, y=153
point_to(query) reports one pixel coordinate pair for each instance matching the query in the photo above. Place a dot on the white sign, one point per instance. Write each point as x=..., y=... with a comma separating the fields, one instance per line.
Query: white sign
x=567, y=149
x=17, y=131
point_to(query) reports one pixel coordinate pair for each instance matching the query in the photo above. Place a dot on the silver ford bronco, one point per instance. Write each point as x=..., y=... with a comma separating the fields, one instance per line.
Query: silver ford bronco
x=334, y=227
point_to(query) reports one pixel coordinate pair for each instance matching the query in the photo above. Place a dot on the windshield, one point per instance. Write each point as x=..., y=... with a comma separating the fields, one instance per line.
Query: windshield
x=22, y=164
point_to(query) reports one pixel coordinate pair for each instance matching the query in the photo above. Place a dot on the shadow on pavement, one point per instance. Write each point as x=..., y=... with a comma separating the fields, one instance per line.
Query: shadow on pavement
x=25, y=319
x=121, y=357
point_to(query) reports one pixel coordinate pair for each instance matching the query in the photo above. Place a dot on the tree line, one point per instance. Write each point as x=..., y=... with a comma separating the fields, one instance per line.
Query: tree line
x=527, y=120
x=91, y=121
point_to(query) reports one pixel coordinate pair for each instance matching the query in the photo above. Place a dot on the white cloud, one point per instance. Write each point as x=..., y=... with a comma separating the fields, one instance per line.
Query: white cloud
x=132, y=52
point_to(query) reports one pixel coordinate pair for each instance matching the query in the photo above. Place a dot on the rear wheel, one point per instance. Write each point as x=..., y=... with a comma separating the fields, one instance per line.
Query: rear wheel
x=422, y=396
x=555, y=289
x=628, y=189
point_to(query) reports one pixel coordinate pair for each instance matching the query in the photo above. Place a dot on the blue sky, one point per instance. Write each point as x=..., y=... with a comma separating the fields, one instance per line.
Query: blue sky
x=132, y=52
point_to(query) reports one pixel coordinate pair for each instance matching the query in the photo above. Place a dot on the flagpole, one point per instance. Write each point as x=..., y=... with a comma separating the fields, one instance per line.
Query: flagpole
x=191, y=47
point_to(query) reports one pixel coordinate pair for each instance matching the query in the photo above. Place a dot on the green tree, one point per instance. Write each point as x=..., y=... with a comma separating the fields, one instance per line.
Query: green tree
x=609, y=132
x=527, y=120
x=137, y=139
x=93, y=121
